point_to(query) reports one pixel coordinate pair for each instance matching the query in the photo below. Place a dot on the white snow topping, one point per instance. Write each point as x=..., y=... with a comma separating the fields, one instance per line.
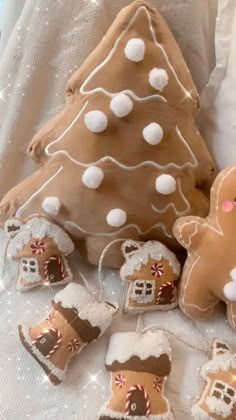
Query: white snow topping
x=96, y=121
x=39, y=228
x=116, y=217
x=165, y=184
x=153, y=134
x=135, y=50
x=151, y=249
x=158, y=79
x=121, y=105
x=224, y=362
x=51, y=205
x=199, y=414
x=93, y=177
x=99, y=314
x=124, y=345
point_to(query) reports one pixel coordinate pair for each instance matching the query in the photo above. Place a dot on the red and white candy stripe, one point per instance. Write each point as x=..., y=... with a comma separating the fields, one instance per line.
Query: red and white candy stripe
x=62, y=268
x=160, y=291
x=55, y=347
x=157, y=270
x=120, y=380
x=129, y=393
x=157, y=384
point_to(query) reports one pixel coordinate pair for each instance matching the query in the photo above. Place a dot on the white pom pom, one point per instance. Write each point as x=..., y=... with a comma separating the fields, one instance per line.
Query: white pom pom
x=92, y=177
x=230, y=291
x=135, y=50
x=121, y=105
x=158, y=79
x=153, y=133
x=51, y=205
x=96, y=121
x=116, y=217
x=165, y=184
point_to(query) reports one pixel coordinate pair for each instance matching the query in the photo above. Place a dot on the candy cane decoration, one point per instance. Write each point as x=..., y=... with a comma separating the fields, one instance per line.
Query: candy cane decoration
x=55, y=347
x=62, y=268
x=135, y=388
x=160, y=291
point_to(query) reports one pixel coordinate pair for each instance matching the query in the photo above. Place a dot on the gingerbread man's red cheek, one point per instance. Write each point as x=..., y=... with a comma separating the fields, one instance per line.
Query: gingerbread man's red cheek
x=227, y=206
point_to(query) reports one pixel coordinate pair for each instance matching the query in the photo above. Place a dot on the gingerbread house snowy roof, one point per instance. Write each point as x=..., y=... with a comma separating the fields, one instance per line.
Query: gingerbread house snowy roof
x=134, y=348
x=151, y=249
x=99, y=314
x=222, y=359
x=39, y=227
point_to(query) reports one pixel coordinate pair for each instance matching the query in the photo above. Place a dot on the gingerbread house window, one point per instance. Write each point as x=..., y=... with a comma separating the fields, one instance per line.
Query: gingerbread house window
x=222, y=398
x=143, y=291
x=29, y=269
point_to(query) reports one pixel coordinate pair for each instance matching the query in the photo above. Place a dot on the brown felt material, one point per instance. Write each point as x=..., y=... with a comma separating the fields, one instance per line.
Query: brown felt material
x=160, y=366
x=131, y=187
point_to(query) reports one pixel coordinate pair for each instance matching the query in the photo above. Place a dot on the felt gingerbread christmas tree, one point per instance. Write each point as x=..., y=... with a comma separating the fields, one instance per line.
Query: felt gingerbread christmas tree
x=124, y=159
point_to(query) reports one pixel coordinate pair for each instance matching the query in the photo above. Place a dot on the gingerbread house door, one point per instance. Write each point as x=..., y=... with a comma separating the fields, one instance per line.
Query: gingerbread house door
x=48, y=342
x=54, y=270
x=137, y=402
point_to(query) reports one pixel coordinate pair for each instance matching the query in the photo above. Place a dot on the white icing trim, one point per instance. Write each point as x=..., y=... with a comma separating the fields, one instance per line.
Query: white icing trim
x=59, y=373
x=216, y=229
x=72, y=226
x=172, y=205
x=143, y=297
x=104, y=62
x=39, y=228
x=199, y=414
x=124, y=345
x=21, y=208
x=222, y=362
x=134, y=310
x=99, y=314
x=118, y=415
x=151, y=249
x=218, y=406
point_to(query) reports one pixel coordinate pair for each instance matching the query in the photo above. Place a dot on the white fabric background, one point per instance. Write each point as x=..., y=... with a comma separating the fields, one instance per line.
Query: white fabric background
x=43, y=43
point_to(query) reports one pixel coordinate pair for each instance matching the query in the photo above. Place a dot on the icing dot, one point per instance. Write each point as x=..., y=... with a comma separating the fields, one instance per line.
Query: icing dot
x=165, y=184
x=227, y=206
x=96, y=121
x=153, y=133
x=116, y=217
x=158, y=78
x=51, y=205
x=93, y=177
x=121, y=105
x=135, y=50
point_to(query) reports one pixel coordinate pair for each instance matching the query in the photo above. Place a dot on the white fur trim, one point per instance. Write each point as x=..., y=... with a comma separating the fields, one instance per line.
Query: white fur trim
x=121, y=105
x=51, y=205
x=93, y=177
x=117, y=415
x=151, y=249
x=135, y=50
x=96, y=121
x=153, y=134
x=158, y=79
x=124, y=345
x=39, y=228
x=59, y=373
x=116, y=217
x=199, y=414
x=99, y=314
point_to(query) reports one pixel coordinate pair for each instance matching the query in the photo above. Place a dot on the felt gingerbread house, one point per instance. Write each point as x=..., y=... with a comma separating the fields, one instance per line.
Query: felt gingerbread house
x=40, y=247
x=139, y=364
x=218, y=398
x=76, y=319
x=152, y=272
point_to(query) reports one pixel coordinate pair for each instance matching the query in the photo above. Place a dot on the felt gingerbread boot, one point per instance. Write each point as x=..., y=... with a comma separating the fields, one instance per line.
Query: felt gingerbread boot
x=139, y=364
x=40, y=247
x=76, y=319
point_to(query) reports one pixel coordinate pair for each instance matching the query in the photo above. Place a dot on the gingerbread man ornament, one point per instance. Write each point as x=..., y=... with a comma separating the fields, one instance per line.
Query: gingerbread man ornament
x=209, y=274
